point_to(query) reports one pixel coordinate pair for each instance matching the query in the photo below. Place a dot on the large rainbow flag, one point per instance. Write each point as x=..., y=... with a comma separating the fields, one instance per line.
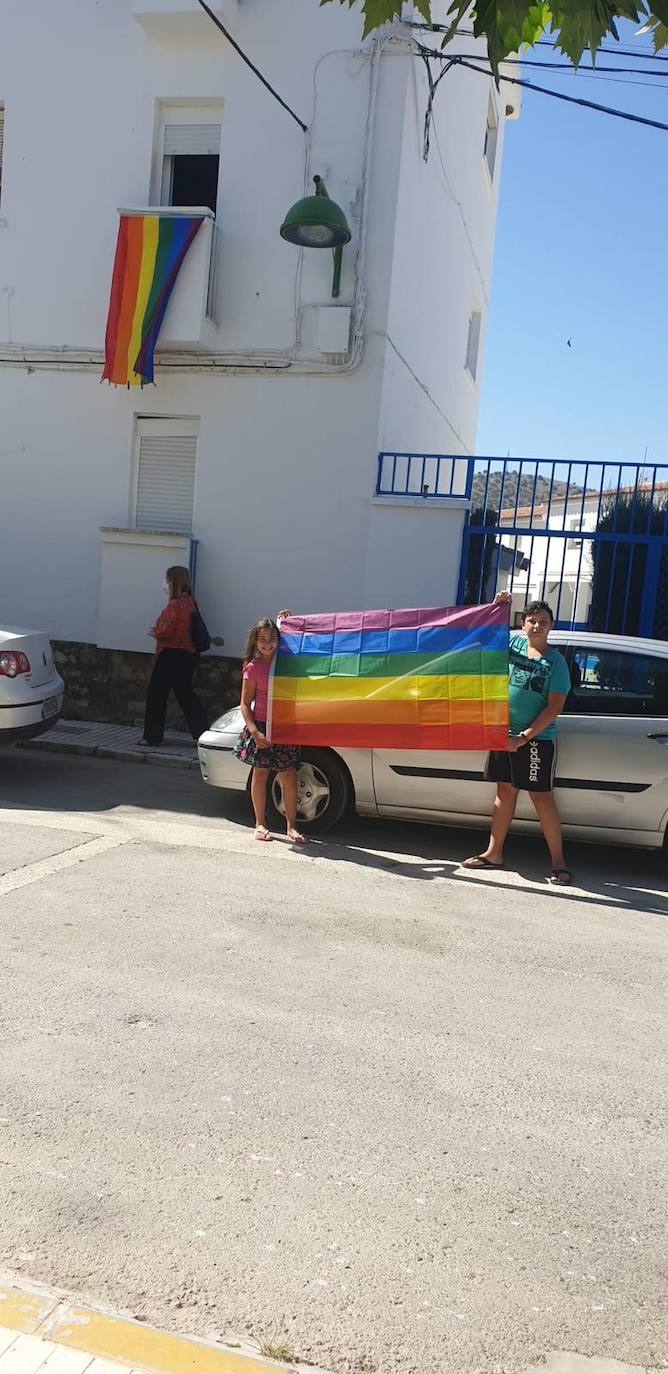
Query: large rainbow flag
x=149, y=252
x=415, y=679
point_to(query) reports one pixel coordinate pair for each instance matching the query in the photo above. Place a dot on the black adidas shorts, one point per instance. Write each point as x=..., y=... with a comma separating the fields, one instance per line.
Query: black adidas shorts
x=531, y=769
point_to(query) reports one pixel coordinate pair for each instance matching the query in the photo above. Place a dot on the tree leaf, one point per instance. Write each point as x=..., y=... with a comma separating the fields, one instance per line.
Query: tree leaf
x=658, y=31
x=582, y=24
x=379, y=12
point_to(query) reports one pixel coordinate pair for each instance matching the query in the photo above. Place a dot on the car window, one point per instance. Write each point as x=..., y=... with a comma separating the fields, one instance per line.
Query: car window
x=615, y=682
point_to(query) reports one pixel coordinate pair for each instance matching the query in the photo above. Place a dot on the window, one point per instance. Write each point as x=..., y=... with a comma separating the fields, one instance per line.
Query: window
x=491, y=138
x=573, y=523
x=473, y=343
x=610, y=682
x=165, y=456
x=189, y=155
x=2, y=140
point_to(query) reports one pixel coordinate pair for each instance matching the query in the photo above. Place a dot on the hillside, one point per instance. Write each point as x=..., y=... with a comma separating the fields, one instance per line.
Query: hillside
x=527, y=494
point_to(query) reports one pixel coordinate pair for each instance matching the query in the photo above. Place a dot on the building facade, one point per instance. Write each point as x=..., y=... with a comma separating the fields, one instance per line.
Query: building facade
x=255, y=455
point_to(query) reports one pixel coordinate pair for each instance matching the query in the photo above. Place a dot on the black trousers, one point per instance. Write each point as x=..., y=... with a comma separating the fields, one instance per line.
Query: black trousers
x=173, y=672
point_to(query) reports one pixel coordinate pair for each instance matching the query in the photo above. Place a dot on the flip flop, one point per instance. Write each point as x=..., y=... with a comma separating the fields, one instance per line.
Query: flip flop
x=479, y=861
x=298, y=839
x=261, y=833
x=560, y=877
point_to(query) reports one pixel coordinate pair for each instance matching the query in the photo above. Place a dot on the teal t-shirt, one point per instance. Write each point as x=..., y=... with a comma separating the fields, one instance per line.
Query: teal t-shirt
x=530, y=682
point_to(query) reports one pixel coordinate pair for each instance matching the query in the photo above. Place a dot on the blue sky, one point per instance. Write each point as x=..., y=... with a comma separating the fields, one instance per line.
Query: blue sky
x=581, y=254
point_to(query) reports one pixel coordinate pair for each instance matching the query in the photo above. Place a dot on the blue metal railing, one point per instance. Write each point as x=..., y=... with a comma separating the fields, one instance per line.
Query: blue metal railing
x=428, y=475
x=194, y=547
x=591, y=538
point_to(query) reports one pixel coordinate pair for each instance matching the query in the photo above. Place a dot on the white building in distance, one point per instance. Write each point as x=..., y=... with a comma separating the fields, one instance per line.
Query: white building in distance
x=256, y=453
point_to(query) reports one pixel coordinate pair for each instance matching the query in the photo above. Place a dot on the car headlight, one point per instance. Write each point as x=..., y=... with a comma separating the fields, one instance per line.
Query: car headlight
x=231, y=721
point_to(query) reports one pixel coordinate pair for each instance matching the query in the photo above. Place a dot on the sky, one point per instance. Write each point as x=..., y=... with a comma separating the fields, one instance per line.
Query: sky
x=581, y=254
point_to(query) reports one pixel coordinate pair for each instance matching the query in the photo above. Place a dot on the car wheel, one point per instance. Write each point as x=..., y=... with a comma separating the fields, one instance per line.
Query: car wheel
x=324, y=793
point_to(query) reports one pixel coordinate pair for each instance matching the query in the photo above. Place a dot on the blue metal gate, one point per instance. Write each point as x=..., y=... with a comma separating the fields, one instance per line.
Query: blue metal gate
x=589, y=538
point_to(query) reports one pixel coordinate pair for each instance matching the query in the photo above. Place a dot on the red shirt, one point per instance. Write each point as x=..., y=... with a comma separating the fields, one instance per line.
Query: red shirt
x=172, y=628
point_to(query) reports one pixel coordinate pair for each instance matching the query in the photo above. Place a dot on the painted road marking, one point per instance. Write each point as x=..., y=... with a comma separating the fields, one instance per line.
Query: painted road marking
x=145, y=1348
x=45, y=868
x=23, y=1310
x=45, y=1332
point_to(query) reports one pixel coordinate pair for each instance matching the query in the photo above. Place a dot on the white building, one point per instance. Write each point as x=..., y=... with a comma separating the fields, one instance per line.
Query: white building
x=260, y=440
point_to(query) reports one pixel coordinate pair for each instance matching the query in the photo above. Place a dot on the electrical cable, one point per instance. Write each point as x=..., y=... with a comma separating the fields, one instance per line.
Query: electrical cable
x=454, y=60
x=564, y=68
x=638, y=53
x=254, y=69
x=573, y=99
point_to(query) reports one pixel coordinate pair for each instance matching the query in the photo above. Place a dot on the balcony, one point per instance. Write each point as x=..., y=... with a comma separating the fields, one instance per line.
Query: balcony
x=181, y=18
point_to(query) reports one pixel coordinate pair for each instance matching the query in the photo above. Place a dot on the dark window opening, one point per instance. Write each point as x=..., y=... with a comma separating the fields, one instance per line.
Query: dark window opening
x=194, y=180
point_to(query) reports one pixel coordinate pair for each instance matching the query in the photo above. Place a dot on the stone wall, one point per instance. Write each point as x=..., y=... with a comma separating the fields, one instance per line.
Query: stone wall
x=110, y=684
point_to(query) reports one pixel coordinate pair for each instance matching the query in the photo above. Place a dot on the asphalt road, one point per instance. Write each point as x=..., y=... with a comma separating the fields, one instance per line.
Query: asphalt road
x=405, y=1118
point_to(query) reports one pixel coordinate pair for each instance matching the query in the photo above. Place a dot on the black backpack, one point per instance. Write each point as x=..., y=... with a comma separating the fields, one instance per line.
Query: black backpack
x=198, y=632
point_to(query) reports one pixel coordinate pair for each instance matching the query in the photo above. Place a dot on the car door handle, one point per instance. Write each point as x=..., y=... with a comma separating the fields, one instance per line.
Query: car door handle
x=659, y=736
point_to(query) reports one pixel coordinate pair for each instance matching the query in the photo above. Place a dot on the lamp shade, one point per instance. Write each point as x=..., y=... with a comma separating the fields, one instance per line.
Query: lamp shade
x=316, y=222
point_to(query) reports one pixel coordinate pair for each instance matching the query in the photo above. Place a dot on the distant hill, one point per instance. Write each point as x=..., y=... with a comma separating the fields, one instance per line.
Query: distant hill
x=527, y=494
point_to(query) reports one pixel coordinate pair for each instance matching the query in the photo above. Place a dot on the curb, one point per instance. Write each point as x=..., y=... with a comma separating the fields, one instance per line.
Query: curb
x=31, y=1309
x=101, y=751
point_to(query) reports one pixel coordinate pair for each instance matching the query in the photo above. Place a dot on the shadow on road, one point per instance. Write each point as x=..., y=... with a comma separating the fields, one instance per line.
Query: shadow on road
x=626, y=879
x=594, y=884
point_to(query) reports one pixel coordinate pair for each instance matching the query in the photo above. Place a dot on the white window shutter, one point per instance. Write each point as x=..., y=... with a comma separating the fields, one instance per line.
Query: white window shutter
x=166, y=482
x=188, y=140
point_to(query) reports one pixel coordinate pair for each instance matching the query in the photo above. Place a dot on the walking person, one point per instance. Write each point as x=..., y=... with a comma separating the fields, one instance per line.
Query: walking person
x=175, y=663
x=539, y=683
x=253, y=747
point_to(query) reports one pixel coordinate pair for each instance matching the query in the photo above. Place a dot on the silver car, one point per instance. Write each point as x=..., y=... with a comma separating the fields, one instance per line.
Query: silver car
x=31, y=690
x=612, y=763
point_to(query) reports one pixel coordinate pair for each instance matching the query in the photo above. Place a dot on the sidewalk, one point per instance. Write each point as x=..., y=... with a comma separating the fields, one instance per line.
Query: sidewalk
x=46, y=1332
x=101, y=741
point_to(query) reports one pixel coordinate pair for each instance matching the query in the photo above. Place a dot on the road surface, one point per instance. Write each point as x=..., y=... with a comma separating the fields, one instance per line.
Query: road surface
x=397, y=1116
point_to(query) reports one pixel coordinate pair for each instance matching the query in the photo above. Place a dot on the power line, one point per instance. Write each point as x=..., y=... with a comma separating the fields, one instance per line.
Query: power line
x=545, y=90
x=638, y=54
x=219, y=25
x=565, y=69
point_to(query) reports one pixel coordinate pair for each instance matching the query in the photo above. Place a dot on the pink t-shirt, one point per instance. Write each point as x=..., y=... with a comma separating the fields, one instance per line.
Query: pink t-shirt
x=257, y=671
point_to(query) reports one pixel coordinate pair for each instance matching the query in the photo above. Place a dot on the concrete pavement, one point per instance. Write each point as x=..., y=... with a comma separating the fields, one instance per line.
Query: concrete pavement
x=351, y=1102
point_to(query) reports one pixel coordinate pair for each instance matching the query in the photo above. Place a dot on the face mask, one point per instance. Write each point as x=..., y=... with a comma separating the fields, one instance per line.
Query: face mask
x=166, y=588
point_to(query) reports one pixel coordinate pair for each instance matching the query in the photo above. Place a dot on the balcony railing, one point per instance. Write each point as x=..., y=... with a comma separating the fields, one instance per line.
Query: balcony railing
x=426, y=475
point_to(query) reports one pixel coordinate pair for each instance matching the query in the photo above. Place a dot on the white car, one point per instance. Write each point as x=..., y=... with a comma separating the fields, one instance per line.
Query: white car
x=612, y=760
x=31, y=691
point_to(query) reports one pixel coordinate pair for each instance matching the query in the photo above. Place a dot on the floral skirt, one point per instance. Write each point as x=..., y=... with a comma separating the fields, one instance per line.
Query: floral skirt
x=278, y=757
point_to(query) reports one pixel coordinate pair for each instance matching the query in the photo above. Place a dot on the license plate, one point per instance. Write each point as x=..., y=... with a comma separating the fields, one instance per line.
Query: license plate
x=50, y=707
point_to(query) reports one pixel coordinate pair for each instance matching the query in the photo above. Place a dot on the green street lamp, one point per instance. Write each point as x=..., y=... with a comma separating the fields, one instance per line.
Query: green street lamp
x=318, y=222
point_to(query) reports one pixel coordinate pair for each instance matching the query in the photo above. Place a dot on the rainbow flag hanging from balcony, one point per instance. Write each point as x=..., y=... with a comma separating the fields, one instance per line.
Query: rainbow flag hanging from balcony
x=149, y=253
x=416, y=679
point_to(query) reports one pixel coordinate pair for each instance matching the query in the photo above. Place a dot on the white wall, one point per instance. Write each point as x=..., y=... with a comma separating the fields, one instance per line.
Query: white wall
x=282, y=494
x=286, y=463
x=79, y=144
x=413, y=554
x=442, y=261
